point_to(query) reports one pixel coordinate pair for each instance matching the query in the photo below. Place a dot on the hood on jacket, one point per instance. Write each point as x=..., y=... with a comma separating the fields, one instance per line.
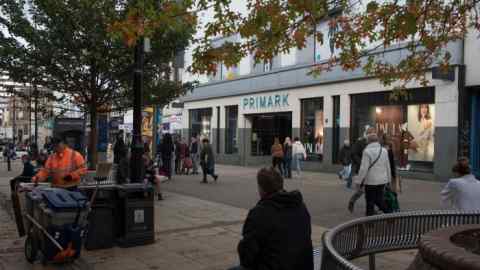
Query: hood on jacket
x=284, y=199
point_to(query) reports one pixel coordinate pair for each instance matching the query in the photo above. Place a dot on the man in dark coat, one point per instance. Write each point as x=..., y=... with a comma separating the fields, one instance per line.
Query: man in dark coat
x=207, y=161
x=277, y=232
x=357, y=151
x=119, y=149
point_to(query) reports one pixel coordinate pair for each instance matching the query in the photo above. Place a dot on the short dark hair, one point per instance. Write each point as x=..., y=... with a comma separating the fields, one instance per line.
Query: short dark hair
x=462, y=166
x=205, y=140
x=296, y=139
x=269, y=180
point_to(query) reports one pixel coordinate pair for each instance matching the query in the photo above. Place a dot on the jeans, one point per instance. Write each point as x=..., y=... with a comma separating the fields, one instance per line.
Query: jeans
x=287, y=167
x=194, y=157
x=374, y=195
x=297, y=158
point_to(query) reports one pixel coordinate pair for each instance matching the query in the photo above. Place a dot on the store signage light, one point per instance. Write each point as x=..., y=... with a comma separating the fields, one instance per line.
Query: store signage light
x=265, y=102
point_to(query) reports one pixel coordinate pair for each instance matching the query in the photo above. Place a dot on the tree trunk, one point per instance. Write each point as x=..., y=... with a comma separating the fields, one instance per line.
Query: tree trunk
x=93, y=140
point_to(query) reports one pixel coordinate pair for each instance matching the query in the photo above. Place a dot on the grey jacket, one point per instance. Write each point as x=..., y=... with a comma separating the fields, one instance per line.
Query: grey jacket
x=462, y=193
x=379, y=173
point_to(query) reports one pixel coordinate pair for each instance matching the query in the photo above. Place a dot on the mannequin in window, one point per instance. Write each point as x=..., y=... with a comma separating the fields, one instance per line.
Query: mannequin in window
x=405, y=144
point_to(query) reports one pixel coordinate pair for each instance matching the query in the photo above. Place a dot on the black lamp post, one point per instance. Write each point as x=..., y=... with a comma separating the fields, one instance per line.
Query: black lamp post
x=136, y=161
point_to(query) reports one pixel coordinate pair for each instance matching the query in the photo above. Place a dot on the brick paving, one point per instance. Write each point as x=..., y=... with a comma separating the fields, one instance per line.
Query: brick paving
x=191, y=232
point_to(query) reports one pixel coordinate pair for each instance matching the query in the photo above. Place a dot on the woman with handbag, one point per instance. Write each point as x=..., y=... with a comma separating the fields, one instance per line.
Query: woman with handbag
x=373, y=175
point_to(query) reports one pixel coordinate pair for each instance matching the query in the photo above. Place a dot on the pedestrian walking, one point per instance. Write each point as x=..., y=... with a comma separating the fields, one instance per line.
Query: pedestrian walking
x=207, y=161
x=119, y=149
x=277, y=155
x=194, y=151
x=298, y=153
x=187, y=161
x=346, y=160
x=167, y=152
x=183, y=155
x=287, y=158
x=277, y=232
x=462, y=193
x=374, y=174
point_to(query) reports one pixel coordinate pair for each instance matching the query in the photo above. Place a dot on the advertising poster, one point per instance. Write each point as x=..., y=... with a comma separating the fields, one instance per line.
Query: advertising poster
x=421, y=126
x=388, y=121
x=147, y=125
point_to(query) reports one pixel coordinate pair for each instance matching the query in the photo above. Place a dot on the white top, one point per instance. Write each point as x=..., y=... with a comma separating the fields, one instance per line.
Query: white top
x=380, y=173
x=462, y=193
x=297, y=148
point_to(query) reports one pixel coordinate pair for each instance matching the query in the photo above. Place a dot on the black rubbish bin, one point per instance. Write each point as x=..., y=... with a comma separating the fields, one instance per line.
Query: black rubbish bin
x=135, y=216
x=101, y=225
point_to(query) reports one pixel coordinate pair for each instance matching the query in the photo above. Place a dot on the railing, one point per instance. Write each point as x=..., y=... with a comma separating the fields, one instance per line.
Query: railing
x=382, y=233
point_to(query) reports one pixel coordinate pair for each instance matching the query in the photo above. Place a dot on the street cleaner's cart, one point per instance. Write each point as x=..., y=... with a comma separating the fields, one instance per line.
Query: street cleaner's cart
x=55, y=222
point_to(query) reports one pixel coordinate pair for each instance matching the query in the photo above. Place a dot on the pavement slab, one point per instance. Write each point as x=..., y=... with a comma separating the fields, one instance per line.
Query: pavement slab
x=191, y=232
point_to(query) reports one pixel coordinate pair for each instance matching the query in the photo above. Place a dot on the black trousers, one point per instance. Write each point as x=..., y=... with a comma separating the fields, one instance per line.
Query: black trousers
x=277, y=163
x=374, y=195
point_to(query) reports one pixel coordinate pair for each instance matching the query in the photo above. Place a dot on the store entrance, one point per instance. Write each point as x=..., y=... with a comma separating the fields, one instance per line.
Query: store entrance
x=265, y=127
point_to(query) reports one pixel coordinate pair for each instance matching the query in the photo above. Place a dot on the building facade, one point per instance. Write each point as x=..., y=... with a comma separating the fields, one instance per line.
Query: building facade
x=242, y=110
x=242, y=116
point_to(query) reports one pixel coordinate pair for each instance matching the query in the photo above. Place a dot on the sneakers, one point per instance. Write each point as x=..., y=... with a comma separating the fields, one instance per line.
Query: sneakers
x=215, y=177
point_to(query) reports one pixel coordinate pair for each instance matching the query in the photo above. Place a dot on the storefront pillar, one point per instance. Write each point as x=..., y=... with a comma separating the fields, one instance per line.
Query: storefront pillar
x=446, y=129
x=328, y=130
x=345, y=113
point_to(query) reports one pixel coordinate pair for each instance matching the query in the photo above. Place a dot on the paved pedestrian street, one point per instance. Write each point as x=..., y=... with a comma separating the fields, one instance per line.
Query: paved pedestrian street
x=196, y=231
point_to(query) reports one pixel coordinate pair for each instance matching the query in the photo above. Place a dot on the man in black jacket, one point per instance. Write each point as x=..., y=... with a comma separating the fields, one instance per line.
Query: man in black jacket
x=277, y=232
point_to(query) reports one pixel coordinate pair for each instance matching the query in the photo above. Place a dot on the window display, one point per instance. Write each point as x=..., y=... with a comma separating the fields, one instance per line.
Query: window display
x=312, y=128
x=408, y=124
x=200, y=122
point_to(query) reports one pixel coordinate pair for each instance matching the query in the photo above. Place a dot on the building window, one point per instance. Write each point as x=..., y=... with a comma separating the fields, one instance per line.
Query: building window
x=312, y=128
x=265, y=127
x=200, y=122
x=231, y=136
x=408, y=125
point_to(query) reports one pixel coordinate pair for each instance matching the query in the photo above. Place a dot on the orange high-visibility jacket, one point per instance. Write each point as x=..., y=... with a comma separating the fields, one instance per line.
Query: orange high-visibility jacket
x=59, y=165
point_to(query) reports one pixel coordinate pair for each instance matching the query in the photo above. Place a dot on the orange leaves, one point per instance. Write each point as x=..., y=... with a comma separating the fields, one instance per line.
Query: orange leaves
x=131, y=28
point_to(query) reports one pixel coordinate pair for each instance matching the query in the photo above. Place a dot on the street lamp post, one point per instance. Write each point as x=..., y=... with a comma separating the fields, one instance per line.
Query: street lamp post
x=136, y=161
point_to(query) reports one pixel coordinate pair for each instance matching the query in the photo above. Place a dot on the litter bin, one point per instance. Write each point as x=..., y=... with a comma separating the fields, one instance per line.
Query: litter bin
x=135, y=216
x=101, y=226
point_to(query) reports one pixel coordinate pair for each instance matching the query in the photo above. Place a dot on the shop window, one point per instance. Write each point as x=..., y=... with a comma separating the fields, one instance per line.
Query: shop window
x=200, y=122
x=312, y=128
x=231, y=137
x=408, y=125
x=265, y=128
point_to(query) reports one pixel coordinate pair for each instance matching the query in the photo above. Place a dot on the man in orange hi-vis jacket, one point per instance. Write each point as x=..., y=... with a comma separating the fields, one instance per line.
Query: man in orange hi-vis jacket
x=65, y=166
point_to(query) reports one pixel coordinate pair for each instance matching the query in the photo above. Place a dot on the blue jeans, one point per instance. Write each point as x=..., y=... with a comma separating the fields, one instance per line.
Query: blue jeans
x=287, y=167
x=296, y=159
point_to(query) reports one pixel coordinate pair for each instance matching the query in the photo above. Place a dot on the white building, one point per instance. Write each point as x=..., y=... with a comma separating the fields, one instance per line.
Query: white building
x=243, y=109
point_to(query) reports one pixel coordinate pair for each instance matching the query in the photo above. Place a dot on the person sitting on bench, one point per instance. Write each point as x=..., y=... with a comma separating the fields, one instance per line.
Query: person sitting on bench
x=277, y=231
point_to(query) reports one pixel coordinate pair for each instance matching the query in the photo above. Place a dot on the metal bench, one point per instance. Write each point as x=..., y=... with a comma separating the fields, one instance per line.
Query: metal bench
x=376, y=234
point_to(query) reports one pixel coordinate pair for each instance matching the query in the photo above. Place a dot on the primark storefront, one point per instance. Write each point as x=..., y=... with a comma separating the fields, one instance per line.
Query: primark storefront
x=242, y=117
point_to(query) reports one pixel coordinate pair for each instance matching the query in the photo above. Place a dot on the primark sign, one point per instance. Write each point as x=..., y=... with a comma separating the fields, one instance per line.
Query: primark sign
x=265, y=102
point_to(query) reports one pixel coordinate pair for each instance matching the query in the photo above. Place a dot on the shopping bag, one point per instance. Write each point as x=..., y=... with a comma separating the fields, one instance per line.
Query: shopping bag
x=391, y=200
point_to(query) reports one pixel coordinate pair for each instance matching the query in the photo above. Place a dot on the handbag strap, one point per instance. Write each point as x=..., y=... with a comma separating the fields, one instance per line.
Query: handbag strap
x=372, y=164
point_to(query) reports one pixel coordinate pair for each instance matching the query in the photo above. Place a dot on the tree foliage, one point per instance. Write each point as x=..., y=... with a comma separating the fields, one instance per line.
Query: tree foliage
x=357, y=28
x=67, y=46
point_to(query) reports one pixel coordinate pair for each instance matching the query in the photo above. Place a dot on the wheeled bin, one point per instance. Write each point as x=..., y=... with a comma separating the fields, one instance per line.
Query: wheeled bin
x=56, y=222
